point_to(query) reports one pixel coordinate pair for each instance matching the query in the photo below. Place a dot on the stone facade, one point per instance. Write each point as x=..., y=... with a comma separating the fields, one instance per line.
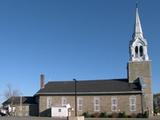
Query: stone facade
x=123, y=103
x=24, y=110
x=20, y=110
x=142, y=70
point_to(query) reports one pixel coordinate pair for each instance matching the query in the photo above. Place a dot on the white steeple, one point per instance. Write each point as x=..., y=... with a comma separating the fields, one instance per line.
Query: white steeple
x=138, y=44
x=137, y=27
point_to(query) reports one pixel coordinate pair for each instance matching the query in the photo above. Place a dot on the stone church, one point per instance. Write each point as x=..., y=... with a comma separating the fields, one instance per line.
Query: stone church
x=130, y=95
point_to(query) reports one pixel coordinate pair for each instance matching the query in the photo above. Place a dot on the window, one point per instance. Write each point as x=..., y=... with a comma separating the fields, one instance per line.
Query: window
x=132, y=103
x=64, y=101
x=114, y=103
x=136, y=51
x=141, y=51
x=59, y=110
x=80, y=104
x=49, y=102
x=96, y=104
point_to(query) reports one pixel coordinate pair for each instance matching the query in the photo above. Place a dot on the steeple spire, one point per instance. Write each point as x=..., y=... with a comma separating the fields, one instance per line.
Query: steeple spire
x=138, y=44
x=137, y=27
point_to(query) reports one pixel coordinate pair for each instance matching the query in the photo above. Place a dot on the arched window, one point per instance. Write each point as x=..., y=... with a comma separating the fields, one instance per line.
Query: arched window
x=136, y=51
x=141, y=51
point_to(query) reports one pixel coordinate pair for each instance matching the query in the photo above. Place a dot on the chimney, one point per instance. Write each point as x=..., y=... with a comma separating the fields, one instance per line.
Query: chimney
x=42, y=81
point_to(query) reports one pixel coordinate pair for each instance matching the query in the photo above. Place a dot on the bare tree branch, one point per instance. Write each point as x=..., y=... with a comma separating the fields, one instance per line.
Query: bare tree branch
x=10, y=92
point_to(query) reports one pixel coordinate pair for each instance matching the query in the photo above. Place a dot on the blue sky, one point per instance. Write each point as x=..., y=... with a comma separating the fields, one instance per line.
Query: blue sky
x=66, y=39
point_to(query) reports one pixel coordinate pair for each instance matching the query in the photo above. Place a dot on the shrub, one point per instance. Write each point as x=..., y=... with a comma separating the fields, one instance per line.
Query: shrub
x=122, y=115
x=103, y=115
x=133, y=115
x=146, y=114
x=114, y=115
x=139, y=115
x=110, y=115
x=92, y=116
x=86, y=114
x=95, y=115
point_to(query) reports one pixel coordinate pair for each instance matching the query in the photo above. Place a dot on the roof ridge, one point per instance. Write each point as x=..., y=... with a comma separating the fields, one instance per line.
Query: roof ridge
x=87, y=80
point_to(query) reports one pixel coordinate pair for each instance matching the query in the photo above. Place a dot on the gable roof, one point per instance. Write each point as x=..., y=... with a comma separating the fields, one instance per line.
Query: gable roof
x=16, y=100
x=90, y=87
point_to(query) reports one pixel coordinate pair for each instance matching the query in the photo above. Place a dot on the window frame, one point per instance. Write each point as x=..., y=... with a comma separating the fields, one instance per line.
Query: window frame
x=114, y=105
x=136, y=51
x=132, y=103
x=80, y=104
x=62, y=101
x=97, y=104
x=141, y=51
x=49, y=102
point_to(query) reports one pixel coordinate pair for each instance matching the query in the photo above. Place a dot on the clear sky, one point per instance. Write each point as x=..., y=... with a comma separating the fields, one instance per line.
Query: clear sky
x=66, y=39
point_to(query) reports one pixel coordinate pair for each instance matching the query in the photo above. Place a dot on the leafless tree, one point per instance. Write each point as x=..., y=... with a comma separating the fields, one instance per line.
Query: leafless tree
x=11, y=93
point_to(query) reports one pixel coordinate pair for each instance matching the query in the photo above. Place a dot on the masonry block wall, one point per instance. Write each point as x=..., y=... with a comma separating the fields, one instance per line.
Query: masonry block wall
x=142, y=69
x=123, y=103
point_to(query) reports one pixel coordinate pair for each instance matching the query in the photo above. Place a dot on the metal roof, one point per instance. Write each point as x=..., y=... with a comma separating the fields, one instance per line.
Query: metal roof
x=90, y=87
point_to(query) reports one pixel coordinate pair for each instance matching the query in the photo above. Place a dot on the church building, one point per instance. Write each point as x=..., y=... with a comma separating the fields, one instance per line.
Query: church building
x=131, y=95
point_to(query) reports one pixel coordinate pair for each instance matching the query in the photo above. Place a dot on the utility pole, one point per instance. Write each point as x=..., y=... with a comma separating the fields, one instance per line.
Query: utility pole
x=75, y=90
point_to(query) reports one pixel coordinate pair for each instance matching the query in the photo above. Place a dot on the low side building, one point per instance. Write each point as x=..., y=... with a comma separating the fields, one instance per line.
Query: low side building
x=21, y=106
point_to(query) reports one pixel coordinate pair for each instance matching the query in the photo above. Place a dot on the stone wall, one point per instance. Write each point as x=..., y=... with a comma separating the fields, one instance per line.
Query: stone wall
x=25, y=110
x=88, y=103
x=21, y=110
x=143, y=69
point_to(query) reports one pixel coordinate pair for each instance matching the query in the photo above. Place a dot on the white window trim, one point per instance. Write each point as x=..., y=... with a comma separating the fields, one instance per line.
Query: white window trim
x=96, y=105
x=80, y=105
x=63, y=101
x=132, y=104
x=49, y=102
x=114, y=105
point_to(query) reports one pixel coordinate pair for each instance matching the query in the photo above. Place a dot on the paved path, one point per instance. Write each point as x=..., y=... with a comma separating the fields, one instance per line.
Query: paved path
x=154, y=118
x=28, y=118
x=46, y=118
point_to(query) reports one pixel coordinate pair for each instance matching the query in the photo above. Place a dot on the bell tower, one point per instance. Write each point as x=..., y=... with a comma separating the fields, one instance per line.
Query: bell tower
x=138, y=44
x=139, y=65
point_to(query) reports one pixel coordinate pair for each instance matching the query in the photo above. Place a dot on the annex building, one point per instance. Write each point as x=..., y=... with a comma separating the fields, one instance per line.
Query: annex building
x=130, y=95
